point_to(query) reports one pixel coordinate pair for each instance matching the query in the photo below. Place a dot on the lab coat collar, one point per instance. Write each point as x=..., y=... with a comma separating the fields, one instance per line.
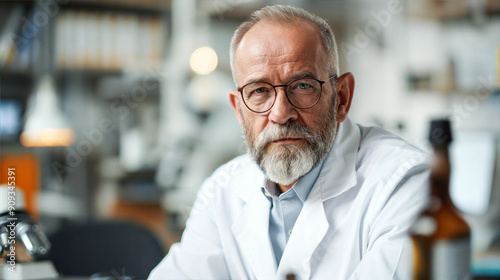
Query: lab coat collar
x=339, y=169
x=248, y=180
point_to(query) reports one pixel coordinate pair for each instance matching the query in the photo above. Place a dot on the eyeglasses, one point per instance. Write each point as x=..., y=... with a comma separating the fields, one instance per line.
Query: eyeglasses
x=303, y=93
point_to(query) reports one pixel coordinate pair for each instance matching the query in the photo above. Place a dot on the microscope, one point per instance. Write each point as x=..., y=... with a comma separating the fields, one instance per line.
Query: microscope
x=23, y=245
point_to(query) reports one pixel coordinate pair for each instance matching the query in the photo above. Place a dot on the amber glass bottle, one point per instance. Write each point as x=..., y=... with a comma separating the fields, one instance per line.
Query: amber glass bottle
x=441, y=238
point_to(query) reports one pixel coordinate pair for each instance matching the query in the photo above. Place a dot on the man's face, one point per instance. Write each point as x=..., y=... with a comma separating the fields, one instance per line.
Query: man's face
x=285, y=141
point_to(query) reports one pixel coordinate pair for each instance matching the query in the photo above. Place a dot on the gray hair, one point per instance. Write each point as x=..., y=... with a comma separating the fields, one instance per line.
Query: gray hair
x=288, y=14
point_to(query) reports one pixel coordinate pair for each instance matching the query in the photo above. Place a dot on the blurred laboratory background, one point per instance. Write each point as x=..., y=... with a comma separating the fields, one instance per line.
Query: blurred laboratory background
x=118, y=110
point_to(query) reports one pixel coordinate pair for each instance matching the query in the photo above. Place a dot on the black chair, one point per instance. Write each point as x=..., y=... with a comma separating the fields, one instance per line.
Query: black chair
x=114, y=248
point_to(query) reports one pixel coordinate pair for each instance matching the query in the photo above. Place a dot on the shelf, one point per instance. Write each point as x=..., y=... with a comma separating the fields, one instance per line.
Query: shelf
x=147, y=7
x=450, y=10
x=16, y=83
x=18, y=72
x=89, y=73
x=438, y=9
x=27, y=76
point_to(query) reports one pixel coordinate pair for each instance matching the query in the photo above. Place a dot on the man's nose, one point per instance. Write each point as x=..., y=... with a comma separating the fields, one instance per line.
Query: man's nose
x=282, y=111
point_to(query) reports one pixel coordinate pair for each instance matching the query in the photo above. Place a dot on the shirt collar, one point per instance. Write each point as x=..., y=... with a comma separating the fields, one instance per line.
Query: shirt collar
x=302, y=188
x=304, y=185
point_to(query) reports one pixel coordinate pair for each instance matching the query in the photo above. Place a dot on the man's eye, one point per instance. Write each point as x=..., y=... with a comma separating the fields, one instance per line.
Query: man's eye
x=260, y=90
x=303, y=86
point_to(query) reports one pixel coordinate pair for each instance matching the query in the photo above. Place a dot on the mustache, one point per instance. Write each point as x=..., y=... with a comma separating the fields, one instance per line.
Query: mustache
x=283, y=131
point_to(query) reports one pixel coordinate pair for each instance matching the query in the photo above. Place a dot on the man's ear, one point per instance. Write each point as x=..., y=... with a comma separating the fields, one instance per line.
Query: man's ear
x=233, y=99
x=345, y=90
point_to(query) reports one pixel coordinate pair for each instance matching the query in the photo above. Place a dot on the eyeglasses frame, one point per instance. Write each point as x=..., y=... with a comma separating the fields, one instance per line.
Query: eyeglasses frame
x=240, y=89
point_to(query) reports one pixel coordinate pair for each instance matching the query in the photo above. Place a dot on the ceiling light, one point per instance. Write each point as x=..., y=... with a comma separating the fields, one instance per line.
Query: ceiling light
x=45, y=124
x=203, y=60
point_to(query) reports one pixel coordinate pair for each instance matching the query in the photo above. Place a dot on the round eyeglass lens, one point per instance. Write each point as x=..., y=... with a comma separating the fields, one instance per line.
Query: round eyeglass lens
x=304, y=93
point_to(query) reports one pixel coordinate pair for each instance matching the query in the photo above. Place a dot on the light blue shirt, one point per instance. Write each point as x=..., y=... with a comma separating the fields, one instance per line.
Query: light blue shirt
x=286, y=207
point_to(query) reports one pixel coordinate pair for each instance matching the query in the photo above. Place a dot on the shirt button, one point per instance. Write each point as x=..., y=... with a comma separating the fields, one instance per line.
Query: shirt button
x=290, y=232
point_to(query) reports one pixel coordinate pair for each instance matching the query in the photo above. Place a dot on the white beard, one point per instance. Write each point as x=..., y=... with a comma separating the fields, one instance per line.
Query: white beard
x=285, y=167
x=287, y=163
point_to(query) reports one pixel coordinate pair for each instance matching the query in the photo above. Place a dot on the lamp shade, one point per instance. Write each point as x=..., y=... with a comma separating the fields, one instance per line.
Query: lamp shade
x=45, y=124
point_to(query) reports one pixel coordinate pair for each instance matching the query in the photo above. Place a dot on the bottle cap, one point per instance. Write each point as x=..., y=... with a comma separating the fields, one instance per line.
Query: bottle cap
x=440, y=132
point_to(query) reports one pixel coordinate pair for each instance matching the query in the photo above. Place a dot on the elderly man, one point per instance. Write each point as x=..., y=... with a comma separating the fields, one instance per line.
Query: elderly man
x=318, y=195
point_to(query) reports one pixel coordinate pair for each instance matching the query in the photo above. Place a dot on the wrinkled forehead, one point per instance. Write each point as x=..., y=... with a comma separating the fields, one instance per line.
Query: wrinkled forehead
x=267, y=42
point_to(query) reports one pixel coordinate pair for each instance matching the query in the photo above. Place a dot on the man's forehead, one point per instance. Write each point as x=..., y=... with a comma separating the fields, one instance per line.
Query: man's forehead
x=275, y=42
x=274, y=35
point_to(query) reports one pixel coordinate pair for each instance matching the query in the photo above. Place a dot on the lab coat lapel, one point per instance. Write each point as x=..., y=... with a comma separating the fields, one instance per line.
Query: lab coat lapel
x=251, y=231
x=309, y=230
x=337, y=176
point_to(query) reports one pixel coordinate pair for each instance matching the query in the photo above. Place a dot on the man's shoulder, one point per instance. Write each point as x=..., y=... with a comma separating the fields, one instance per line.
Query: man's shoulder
x=385, y=162
x=388, y=151
x=235, y=166
x=378, y=139
x=235, y=175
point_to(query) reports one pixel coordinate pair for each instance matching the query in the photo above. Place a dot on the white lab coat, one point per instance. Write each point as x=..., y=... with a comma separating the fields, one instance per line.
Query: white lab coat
x=353, y=224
